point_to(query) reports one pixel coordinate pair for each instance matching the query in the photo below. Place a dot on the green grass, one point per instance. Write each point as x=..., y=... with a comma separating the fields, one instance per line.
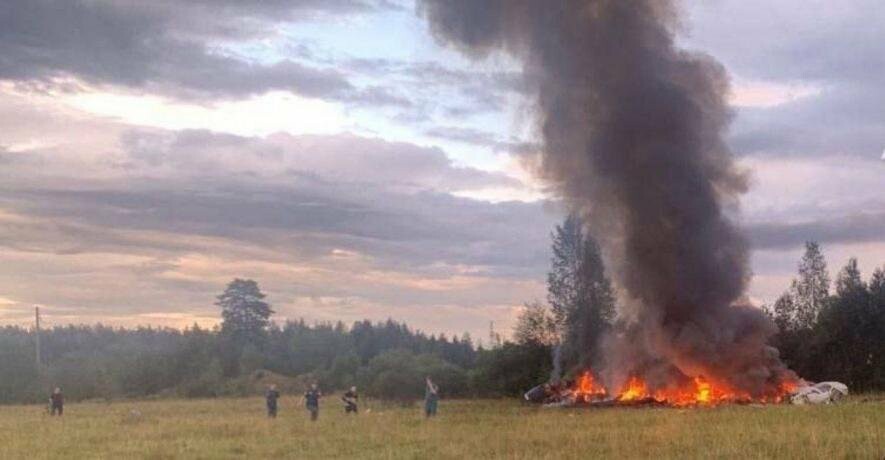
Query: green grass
x=237, y=428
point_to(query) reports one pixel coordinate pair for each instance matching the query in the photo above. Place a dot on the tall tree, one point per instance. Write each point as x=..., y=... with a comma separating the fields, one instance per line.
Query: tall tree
x=849, y=281
x=563, y=284
x=245, y=319
x=579, y=292
x=876, y=356
x=811, y=289
x=785, y=313
x=245, y=314
x=847, y=331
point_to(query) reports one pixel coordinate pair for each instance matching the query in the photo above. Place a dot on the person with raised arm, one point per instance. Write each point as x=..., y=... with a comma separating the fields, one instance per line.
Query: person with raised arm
x=431, y=398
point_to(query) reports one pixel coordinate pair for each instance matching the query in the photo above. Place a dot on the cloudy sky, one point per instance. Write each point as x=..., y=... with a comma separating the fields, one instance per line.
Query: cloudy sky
x=151, y=151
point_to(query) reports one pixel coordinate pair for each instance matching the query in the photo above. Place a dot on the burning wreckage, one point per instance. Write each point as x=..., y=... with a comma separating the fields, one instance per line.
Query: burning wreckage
x=633, y=142
x=585, y=391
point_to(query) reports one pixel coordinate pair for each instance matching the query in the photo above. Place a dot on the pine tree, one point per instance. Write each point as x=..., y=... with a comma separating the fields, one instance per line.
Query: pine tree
x=245, y=315
x=245, y=319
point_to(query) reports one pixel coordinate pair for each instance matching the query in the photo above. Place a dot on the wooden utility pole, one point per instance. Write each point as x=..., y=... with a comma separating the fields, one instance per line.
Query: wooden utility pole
x=37, y=338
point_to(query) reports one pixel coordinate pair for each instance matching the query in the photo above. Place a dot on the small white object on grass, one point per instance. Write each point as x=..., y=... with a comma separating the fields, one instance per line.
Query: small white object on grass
x=134, y=416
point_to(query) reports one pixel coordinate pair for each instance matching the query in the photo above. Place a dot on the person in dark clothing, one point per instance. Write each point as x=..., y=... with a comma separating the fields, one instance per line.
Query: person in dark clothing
x=350, y=399
x=312, y=401
x=431, y=398
x=271, y=396
x=56, y=402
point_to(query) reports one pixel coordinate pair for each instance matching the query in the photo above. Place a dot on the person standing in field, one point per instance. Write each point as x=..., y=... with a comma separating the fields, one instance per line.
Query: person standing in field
x=312, y=401
x=350, y=399
x=56, y=402
x=271, y=396
x=431, y=398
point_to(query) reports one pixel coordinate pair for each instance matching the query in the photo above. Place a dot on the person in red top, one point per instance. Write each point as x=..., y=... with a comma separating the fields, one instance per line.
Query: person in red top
x=56, y=402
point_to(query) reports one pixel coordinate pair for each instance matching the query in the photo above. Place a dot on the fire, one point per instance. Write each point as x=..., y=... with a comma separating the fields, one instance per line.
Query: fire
x=703, y=395
x=635, y=389
x=586, y=387
x=695, y=391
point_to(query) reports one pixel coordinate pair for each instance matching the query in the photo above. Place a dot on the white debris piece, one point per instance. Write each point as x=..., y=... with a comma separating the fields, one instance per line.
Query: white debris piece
x=820, y=393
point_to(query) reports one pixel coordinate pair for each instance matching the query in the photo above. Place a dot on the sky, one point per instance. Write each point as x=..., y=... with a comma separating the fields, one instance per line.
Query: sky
x=333, y=151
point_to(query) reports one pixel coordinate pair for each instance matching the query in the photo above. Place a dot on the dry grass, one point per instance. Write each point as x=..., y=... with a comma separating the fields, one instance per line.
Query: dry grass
x=237, y=428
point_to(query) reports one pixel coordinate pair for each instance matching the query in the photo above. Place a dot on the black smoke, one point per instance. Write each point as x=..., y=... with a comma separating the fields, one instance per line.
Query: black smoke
x=633, y=140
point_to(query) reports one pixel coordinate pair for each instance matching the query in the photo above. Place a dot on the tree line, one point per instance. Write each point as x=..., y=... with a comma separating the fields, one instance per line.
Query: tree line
x=833, y=334
x=822, y=333
x=100, y=362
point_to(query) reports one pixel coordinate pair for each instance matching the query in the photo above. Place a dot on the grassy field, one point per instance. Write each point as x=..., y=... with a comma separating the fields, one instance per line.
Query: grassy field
x=237, y=428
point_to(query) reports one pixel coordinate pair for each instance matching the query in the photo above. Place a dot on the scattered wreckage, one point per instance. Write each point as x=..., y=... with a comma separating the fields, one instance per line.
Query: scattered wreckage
x=583, y=392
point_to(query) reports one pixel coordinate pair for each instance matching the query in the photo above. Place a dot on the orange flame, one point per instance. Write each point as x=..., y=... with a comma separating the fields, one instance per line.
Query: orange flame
x=635, y=389
x=699, y=390
x=703, y=395
x=586, y=387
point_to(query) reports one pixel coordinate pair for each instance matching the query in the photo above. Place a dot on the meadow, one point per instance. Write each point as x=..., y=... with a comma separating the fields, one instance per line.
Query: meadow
x=238, y=428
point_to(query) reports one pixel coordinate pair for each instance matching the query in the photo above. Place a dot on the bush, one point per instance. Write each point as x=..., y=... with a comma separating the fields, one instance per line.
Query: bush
x=398, y=375
x=511, y=369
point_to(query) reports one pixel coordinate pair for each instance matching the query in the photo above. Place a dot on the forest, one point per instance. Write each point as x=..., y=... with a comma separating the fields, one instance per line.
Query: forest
x=825, y=330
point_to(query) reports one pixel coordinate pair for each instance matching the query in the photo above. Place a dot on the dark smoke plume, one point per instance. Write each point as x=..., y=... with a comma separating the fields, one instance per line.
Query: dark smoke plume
x=633, y=140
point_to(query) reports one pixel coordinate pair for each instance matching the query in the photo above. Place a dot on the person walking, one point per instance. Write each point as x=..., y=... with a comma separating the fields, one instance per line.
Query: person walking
x=271, y=396
x=312, y=401
x=431, y=398
x=56, y=402
x=351, y=398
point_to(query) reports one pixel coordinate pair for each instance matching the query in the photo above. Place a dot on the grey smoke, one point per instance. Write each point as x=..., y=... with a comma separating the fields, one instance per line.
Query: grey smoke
x=556, y=356
x=633, y=140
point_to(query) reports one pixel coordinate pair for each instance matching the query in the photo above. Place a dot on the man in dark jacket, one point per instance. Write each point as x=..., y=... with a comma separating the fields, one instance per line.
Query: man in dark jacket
x=56, y=402
x=350, y=398
x=271, y=396
x=312, y=401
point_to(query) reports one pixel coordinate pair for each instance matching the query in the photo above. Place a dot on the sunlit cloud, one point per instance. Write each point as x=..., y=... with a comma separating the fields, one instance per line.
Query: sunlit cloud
x=766, y=94
x=272, y=112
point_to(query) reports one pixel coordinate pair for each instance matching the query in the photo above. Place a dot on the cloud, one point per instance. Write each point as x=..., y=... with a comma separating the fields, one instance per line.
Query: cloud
x=849, y=229
x=101, y=220
x=480, y=138
x=332, y=160
x=437, y=89
x=133, y=225
x=831, y=46
x=168, y=47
